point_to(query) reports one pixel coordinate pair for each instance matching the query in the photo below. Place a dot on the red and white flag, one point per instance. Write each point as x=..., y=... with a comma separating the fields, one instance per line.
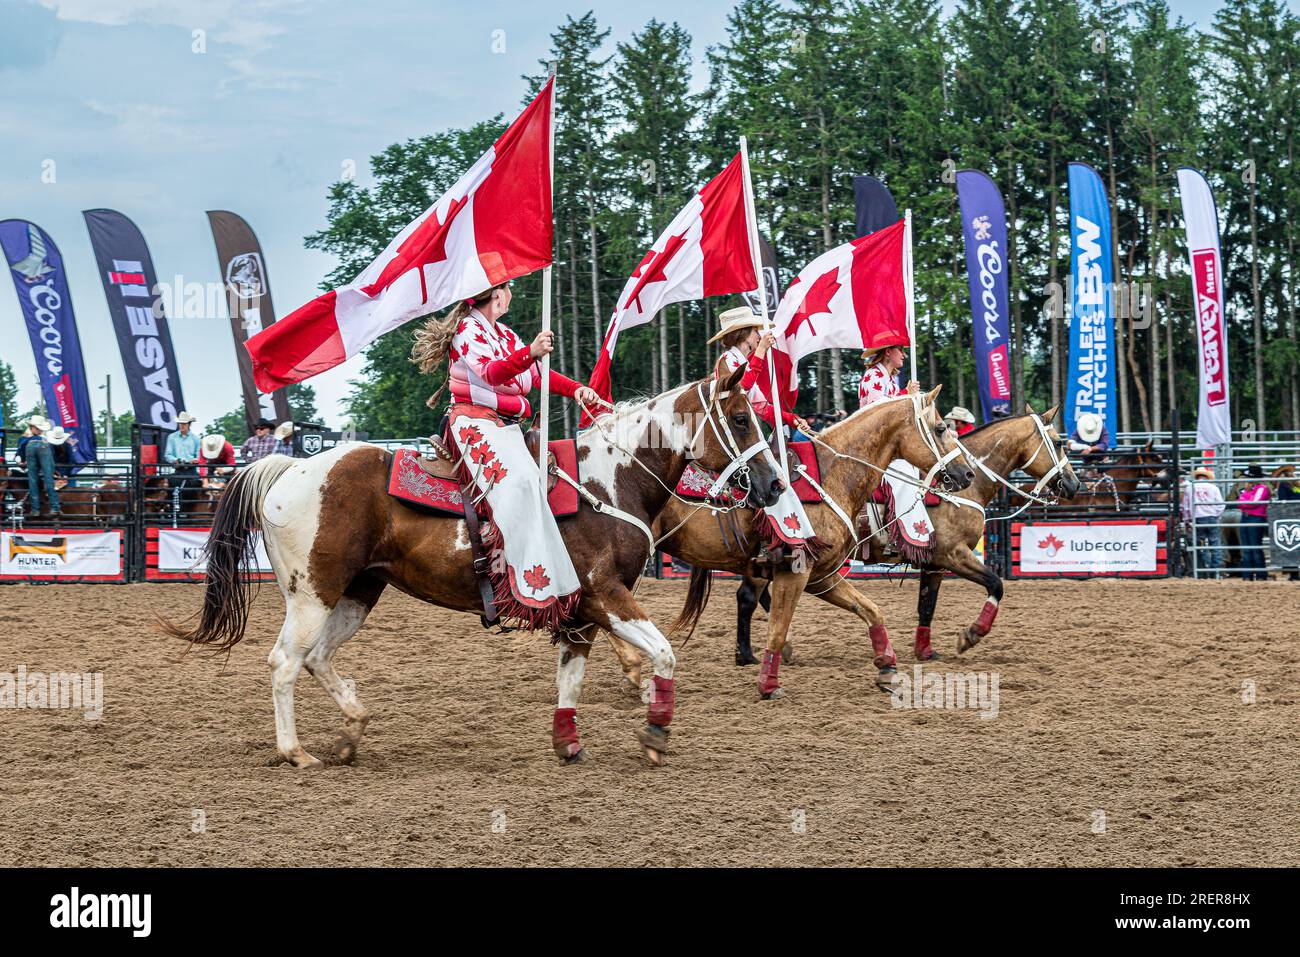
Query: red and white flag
x=703, y=252
x=852, y=297
x=493, y=225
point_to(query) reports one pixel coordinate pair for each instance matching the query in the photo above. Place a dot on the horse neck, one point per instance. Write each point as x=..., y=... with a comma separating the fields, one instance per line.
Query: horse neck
x=873, y=434
x=1000, y=452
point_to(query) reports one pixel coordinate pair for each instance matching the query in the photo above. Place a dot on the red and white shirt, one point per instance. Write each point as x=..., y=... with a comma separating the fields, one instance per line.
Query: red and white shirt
x=492, y=368
x=877, y=383
x=754, y=367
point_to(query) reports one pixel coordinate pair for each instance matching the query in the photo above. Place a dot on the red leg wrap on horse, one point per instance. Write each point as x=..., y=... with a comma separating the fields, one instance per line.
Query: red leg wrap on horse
x=922, y=644
x=661, y=705
x=564, y=733
x=767, y=680
x=881, y=646
x=985, y=621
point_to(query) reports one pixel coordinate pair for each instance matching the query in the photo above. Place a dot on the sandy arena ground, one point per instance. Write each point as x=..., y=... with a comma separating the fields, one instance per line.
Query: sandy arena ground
x=1115, y=698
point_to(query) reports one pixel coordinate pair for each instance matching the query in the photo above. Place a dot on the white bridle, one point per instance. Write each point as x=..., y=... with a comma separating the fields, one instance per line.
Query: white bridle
x=941, y=458
x=1059, y=462
x=739, y=464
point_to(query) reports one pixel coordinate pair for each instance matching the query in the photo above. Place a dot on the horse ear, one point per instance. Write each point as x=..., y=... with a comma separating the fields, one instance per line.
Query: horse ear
x=932, y=396
x=1050, y=415
x=1151, y=444
x=728, y=380
x=1029, y=409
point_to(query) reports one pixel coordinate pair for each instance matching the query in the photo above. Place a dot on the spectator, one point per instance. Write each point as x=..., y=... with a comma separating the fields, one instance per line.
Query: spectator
x=1254, y=511
x=35, y=456
x=284, y=439
x=1090, y=435
x=61, y=445
x=218, y=456
x=1202, y=506
x=260, y=444
x=182, y=450
x=960, y=420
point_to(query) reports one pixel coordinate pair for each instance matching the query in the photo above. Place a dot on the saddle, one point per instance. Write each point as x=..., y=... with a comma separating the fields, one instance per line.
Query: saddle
x=441, y=462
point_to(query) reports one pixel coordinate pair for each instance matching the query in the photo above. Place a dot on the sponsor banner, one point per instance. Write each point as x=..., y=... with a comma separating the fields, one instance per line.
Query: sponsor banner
x=873, y=204
x=771, y=281
x=984, y=227
x=310, y=440
x=1284, y=534
x=181, y=550
x=42, y=286
x=61, y=554
x=143, y=338
x=1214, y=422
x=248, y=294
x=1089, y=548
x=1091, y=383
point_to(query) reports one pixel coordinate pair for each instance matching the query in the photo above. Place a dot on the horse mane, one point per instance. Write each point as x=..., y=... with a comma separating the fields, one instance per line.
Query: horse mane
x=992, y=422
x=830, y=429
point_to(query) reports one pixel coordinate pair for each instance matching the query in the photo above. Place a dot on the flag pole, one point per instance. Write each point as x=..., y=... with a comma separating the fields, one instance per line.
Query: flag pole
x=911, y=302
x=777, y=425
x=544, y=406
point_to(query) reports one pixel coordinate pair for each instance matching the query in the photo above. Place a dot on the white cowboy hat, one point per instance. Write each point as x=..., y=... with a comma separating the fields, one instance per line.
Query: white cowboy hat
x=211, y=445
x=283, y=431
x=1088, y=426
x=742, y=317
x=1201, y=472
x=57, y=435
x=184, y=417
x=960, y=414
x=41, y=422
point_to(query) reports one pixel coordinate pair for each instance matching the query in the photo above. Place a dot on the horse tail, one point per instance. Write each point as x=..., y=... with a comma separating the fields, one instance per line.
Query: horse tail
x=697, y=596
x=230, y=552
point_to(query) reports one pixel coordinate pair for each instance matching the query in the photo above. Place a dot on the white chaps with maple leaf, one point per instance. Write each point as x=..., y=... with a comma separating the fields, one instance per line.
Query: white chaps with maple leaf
x=533, y=579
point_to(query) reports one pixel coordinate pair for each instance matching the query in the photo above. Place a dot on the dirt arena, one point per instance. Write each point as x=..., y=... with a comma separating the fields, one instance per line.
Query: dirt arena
x=1122, y=699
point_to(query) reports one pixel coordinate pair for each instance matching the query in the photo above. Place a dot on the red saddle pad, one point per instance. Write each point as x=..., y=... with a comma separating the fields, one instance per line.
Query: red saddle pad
x=411, y=484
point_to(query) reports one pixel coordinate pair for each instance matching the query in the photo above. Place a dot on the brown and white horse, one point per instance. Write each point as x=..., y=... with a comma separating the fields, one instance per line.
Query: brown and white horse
x=852, y=456
x=336, y=539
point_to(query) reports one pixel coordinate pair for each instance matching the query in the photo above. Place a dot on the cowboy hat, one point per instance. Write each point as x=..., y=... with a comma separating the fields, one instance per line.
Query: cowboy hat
x=211, y=445
x=742, y=317
x=870, y=355
x=1201, y=472
x=283, y=431
x=184, y=417
x=1254, y=470
x=960, y=414
x=40, y=422
x=1089, y=426
x=264, y=424
x=57, y=435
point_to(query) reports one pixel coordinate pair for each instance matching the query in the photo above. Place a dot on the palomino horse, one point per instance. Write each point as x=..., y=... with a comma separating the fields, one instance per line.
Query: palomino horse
x=336, y=539
x=852, y=456
x=995, y=449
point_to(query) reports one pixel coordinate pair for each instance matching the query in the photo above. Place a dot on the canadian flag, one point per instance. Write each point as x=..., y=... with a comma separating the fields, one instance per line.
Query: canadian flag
x=852, y=297
x=493, y=225
x=703, y=252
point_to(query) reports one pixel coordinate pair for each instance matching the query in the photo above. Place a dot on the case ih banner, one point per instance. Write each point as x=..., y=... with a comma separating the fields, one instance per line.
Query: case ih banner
x=42, y=287
x=1085, y=549
x=1214, y=422
x=248, y=295
x=984, y=227
x=126, y=270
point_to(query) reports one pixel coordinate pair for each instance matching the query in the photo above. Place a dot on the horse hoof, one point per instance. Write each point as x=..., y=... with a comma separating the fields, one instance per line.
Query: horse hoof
x=579, y=758
x=745, y=658
x=885, y=679
x=774, y=693
x=654, y=742
x=933, y=656
x=345, y=748
x=967, y=639
x=307, y=763
x=787, y=653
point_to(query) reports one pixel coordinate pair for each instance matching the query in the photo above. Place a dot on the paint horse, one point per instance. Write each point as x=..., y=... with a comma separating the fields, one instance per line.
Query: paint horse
x=337, y=539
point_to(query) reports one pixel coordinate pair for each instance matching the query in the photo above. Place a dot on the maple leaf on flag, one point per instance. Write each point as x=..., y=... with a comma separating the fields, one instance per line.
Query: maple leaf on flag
x=470, y=434
x=818, y=300
x=426, y=245
x=651, y=268
x=536, y=577
x=791, y=522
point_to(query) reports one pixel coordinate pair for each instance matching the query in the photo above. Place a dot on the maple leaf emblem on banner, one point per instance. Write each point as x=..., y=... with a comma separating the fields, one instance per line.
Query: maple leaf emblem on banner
x=921, y=528
x=535, y=578
x=494, y=471
x=1051, y=544
x=818, y=300
x=426, y=245
x=470, y=434
x=651, y=269
x=791, y=522
x=481, y=454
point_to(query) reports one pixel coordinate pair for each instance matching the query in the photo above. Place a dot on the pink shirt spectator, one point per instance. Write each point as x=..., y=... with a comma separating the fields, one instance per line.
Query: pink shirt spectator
x=1256, y=493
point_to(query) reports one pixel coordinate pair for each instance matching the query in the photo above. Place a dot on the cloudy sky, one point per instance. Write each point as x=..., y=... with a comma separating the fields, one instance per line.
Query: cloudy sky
x=281, y=96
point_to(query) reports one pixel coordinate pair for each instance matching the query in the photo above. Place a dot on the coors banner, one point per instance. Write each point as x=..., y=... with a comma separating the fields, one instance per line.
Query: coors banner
x=1214, y=423
x=42, y=287
x=248, y=293
x=127, y=272
x=984, y=227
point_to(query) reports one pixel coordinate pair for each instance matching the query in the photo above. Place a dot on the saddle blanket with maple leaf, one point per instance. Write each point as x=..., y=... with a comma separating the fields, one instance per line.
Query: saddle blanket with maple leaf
x=533, y=580
x=912, y=535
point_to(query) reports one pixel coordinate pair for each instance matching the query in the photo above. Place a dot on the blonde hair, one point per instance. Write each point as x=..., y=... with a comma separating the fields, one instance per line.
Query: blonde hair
x=433, y=339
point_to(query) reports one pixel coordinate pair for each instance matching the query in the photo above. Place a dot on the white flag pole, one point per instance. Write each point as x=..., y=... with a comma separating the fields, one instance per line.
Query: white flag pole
x=911, y=302
x=544, y=406
x=757, y=257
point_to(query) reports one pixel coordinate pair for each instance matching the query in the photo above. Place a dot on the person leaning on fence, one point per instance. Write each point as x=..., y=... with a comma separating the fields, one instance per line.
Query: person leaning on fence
x=1090, y=436
x=35, y=456
x=1202, y=506
x=284, y=438
x=182, y=451
x=260, y=444
x=1253, y=505
x=61, y=445
x=218, y=457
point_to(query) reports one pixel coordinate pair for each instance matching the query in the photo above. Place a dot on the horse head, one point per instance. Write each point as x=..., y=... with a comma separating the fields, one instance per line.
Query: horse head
x=930, y=445
x=1044, y=456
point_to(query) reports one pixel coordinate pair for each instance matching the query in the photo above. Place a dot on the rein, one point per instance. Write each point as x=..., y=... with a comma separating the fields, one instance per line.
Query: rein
x=1032, y=497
